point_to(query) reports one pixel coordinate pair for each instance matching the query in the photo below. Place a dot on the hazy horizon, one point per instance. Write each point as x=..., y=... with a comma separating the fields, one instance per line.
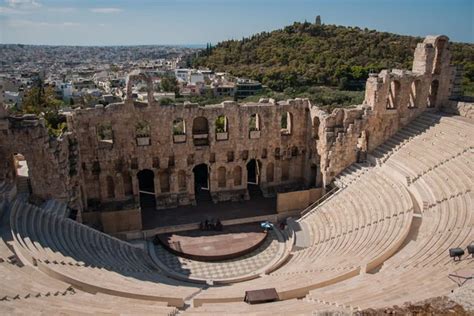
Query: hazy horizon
x=193, y=23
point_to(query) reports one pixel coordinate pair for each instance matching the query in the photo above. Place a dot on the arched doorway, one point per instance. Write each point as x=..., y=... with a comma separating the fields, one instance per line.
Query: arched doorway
x=253, y=177
x=432, y=98
x=313, y=173
x=146, y=187
x=22, y=174
x=201, y=182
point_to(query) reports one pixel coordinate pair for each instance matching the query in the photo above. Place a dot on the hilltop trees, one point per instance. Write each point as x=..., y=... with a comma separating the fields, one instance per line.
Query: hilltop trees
x=305, y=54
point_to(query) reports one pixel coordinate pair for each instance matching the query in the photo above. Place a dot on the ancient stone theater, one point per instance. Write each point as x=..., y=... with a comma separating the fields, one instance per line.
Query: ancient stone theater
x=274, y=207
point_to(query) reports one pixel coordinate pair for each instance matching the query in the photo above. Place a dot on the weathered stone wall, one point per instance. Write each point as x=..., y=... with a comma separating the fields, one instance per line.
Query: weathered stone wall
x=462, y=108
x=53, y=172
x=392, y=99
x=97, y=162
x=106, y=162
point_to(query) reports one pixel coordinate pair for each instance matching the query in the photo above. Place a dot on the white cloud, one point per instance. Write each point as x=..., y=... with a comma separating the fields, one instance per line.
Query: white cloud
x=62, y=10
x=29, y=23
x=106, y=10
x=23, y=4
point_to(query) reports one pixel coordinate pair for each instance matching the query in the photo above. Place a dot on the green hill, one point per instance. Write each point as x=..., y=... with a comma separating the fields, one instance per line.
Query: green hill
x=305, y=54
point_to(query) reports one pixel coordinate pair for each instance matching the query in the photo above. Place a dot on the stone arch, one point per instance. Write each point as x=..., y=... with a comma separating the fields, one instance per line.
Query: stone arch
x=142, y=133
x=127, y=184
x=222, y=124
x=221, y=177
x=182, y=180
x=237, y=174
x=164, y=177
x=393, y=94
x=200, y=125
x=286, y=123
x=414, y=94
x=142, y=129
x=440, y=46
x=294, y=151
x=200, y=131
x=433, y=95
x=105, y=133
x=110, y=187
x=179, y=127
x=255, y=122
x=221, y=127
x=134, y=79
x=285, y=170
x=316, y=123
x=146, y=187
x=270, y=171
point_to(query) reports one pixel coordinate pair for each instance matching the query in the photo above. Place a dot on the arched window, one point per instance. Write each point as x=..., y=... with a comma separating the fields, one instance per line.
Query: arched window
x=433, y=93
x=270, y=172
x=316, y=127
x=221, y=177
x=286, y=123
x=110, y=187
x=254, y=126
x=294, y=151
x=179, y=127
x=393, y=95
x=237, y=176
x=142, y=132
x=254, y=122
x=182, y=180
x=127, y=183
x=179, y=130
x=285, y=170
x=200, y=126
x=414, y=91
x=105, y=133
x=200, y=131
x=165, y=181
x=221, y=127
x=440, y=45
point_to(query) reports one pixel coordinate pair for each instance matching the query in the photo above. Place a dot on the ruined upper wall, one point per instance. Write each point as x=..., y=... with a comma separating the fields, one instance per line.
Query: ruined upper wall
x=322, y=142
x=392, y=99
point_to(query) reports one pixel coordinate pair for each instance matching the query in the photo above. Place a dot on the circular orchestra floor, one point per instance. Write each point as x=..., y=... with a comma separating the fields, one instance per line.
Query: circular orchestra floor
x=231, y=242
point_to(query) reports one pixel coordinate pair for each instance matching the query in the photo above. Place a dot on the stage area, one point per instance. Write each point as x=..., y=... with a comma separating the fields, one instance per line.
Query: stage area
x=231, y=242
x=256, y=206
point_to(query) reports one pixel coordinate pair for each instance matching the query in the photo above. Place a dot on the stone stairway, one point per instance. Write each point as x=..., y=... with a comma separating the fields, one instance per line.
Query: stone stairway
x=351, y=174
x=23, y=185
x=415, y=128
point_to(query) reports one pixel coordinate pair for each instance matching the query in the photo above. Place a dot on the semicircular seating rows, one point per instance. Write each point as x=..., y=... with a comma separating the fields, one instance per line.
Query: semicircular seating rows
x=89, y=259
x=381, y=240
x=419, y=268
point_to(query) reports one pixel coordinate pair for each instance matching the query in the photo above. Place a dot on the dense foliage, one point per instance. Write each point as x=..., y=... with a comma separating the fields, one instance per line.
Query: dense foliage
x=42, y=102
x=305, y=54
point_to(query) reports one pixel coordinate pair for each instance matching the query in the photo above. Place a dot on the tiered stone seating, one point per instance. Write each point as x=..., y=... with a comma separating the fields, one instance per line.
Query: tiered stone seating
x=80, y=303
x=383, y=239
x=56, y=207
x=288, y=307
x=89, y=259
x=350, y=174
x=7, y=191
x=356, y=231
x=442, y=175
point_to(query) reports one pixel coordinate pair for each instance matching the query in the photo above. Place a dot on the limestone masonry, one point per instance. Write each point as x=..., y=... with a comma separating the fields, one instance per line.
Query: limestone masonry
x=283, y=146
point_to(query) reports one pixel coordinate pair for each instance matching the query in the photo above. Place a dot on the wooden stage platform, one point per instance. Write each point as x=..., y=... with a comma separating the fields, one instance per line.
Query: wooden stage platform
x=231, y=242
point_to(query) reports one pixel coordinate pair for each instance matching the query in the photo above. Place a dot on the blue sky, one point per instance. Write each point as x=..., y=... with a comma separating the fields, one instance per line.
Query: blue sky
x=132, y=22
